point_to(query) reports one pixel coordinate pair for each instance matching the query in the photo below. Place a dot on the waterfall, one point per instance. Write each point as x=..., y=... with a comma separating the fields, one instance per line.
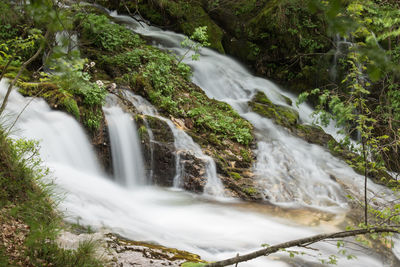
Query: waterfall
x=291, y=171
x=182, y=142
x=125, y=147
x=151, y=141
x=342, y=45
x=181, y=220
x=54, y=130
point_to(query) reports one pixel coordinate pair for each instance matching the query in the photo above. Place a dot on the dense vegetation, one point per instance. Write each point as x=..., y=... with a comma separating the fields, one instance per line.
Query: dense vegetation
x=29, y=222
x=343, y=56
x=129, y=61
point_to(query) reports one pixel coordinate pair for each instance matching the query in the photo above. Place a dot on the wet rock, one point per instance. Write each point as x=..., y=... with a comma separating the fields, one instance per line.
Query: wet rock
x=282, y=115
x=312, y=134
x=193, y=172
x=159, y=151
x=117, y=251
x=101, y=142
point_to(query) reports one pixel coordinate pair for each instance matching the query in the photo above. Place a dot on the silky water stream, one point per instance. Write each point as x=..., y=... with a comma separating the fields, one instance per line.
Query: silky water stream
x=296, y=176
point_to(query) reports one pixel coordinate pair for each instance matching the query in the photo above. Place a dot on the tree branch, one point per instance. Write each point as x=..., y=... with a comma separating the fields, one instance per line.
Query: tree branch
x=21, y=69
x=299, y=242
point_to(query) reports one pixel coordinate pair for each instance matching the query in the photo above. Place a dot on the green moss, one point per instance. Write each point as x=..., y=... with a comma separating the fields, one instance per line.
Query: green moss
x=72, y=107
x=92, y=117
x=215, y=33
x=246, y=155
x=282, y=115
x=261, y=98
x=53, y=95
x=125, y=61
x=151, y=13
x=142, y=132
x=284, y=30
x=235, y=175
x=250, y=190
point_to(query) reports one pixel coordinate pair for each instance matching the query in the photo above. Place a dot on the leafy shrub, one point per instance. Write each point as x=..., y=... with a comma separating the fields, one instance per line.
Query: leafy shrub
x=125, y=61
x=106, y=35
x=75, y=80
x=25, y=198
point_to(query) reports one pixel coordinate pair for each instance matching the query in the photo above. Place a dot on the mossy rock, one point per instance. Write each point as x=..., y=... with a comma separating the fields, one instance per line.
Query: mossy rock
x=159, y=251
x=250, y=191
x=282, y=115
x=161, y=130
x=243, y=49
x=235, y=175
x=56, y=98
x=12, y=72
x=313, y=134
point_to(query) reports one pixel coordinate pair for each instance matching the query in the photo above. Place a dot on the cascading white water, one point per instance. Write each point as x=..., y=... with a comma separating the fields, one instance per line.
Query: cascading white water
x=292, y=171
x=182, y=142
x=177, y=219
x=56, y=128
x=342, y=45
x=127, y=158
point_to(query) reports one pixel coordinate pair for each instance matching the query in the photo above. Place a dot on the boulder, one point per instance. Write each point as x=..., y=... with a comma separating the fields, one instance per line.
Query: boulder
x=282, y=115
x=159, y=151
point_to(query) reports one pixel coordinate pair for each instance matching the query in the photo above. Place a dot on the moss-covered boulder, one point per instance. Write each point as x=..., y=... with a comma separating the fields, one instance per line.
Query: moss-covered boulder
x=282, y=115
x=313, y=134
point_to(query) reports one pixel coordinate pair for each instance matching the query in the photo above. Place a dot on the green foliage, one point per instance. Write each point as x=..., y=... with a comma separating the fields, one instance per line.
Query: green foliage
x=19, y=49
x=92, y=118
x=25, y=196
x=10, y=21
x=74, y=79
x=198, y=39
x=125, y=61
x=13, y=166
x=218, y=121
x=245, y=155
x=106, y=35
x=188, y=16
x=290, y=41
x=365, y=101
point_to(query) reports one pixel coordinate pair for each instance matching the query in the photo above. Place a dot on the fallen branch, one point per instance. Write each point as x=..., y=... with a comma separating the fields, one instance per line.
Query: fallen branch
x=298, y=243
